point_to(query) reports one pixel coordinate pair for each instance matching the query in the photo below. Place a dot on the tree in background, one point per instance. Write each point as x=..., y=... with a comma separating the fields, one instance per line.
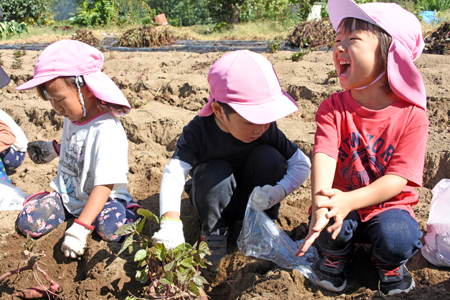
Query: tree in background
x=225, y=11
x=64, y=9
x=28, y=11
x=186, y=12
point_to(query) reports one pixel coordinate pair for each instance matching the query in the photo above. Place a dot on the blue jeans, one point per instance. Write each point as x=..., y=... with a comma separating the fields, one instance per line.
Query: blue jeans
x=43, y=213
x=394, y=235
x=220, y=194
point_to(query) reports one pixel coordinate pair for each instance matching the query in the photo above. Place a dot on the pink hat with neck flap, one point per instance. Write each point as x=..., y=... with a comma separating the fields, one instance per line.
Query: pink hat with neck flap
x=74, y=58
x=248, y=83
x=407, y=43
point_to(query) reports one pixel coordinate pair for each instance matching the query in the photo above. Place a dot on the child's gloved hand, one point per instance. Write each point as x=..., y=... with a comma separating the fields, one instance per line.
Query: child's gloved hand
x=75, y=240
x=42, y=152
x=267, y=196
x=170, y=234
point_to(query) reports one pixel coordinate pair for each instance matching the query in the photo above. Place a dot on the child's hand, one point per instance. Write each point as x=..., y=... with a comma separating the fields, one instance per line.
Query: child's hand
x=318, y=223
x=338, y=206
x=42, y=152
x=170, y=234
x=75, y=240
x=267, y=196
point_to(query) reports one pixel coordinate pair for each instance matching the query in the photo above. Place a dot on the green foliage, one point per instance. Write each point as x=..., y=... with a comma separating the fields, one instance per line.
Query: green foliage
x=274, y=46
x=225, y=11
x=297, y=56
x=332, y=74
x=63, y=9
x=173, y=272
x=29, y=11
x=95, y=13
x=134, y=12
x=11, y=28
x=434, y=5
x=20, y=52
x=147, y=36
x=252, y=10
x=186, y=12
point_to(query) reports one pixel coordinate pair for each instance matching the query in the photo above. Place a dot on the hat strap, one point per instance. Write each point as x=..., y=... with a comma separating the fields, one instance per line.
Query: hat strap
x=378, y=78
x=78, y=80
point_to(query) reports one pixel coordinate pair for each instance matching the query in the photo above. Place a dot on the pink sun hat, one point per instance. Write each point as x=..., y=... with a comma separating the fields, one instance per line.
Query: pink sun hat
x=248, y=83
x=407, y=43
x=74, y=58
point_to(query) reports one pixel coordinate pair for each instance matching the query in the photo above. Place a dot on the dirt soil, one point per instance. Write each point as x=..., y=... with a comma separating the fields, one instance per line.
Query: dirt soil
x=167, y=90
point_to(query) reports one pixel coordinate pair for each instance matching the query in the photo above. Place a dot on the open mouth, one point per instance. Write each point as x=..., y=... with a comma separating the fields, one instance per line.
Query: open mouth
x=344, y=67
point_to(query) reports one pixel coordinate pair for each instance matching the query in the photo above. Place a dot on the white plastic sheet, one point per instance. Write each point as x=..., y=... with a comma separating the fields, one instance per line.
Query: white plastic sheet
x=262, y=238
x=437, y=240
x=11, y=197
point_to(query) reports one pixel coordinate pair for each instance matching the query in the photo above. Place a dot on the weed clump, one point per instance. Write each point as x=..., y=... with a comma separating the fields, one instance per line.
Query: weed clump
x=147, y=36
x=86, y=37
x=438, y=40
x=311, y=34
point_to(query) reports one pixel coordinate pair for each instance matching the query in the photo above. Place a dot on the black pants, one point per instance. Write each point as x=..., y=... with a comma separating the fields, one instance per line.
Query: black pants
x=220, y=195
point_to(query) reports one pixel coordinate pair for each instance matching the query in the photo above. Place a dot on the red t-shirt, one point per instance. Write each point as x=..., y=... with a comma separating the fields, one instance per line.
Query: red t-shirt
x=368, y=144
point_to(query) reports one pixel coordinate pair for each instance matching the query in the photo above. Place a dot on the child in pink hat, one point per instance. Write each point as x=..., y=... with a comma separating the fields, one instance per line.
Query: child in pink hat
x=231, y=149
x=369, y=147
x=93, y=154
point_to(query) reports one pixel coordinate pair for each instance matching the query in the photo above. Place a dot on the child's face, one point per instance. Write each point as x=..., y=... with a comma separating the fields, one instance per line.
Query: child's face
x=239, y=127
x=355, y=57
x=66, y=100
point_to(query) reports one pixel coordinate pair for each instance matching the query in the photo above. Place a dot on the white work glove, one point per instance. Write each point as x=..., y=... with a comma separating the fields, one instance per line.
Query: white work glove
x=170, y=234
x=75, y=240
x=42, y=152
x=267, y=196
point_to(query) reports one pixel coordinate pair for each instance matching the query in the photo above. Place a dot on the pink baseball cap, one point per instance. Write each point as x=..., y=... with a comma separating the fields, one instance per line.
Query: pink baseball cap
x=407, y=43
x=74, y=58
x=248, y=83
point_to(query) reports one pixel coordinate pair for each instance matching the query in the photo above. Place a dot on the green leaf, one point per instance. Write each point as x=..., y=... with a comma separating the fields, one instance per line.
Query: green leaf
x=160, y=251
x=128, y=241
x=165, y=281
x=187, y=262
x=131, y=248
x=140, y=226
x=203, y=247
x=148, y=215
x=194, y=288
x=140, y=255
x=168, y=267
x=126, y=229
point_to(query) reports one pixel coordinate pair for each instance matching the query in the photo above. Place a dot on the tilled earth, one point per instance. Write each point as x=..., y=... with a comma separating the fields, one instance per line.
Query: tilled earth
x=167, y=89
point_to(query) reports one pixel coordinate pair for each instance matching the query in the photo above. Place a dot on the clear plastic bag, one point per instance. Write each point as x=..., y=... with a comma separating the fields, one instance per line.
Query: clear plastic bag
x=262, y=238
x=11, y=197
x=437, y=240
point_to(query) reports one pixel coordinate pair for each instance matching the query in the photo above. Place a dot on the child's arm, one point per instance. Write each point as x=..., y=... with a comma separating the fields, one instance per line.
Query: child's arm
x=322, y=176
x=340, y=204
x=75, y=237
x=172, y=186
x=7, y=136
x=299, y=168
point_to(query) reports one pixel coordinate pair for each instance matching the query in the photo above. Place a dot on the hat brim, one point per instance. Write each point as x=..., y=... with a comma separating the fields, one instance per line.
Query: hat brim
x=35, y=82
x=105, y=89
x=4, y=78
x=341, y=9
x=264, y=113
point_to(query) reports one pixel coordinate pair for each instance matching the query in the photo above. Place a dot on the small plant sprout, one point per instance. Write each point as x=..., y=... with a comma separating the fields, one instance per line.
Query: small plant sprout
x=32, y=258
x=274, y=46
x=171, y=273
x=17, y=63
x=297, y=56
x=332, y=74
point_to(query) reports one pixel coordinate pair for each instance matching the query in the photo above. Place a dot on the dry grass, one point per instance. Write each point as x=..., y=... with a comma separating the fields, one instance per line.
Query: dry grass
x=260, y=30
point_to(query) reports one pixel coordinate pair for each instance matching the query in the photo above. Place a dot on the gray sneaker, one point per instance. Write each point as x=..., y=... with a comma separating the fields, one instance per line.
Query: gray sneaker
x=217, y=243
x=393, y=280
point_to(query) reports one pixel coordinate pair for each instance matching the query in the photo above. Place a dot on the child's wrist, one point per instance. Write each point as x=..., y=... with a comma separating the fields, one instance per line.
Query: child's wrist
x=90, y=227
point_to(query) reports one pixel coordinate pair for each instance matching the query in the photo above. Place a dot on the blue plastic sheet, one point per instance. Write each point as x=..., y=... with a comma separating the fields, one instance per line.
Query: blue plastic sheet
x=429, y=17
x=260, y=237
